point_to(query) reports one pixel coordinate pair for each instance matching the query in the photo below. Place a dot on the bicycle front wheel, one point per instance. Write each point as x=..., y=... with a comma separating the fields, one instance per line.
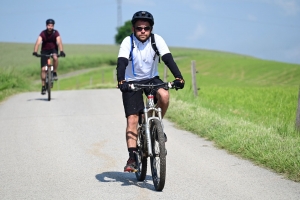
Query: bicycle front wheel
x=158, y=160
x=141, y=156
x=49, y=83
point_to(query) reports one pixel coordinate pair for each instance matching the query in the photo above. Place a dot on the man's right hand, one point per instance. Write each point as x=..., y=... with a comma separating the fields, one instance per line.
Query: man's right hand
x=35, y=54
x=124, y=86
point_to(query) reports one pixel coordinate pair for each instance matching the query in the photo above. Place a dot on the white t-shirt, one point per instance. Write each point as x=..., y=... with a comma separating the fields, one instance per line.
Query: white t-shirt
x=144, y=67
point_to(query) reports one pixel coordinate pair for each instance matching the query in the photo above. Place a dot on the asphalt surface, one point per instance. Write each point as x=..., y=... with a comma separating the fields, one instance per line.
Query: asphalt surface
x=73, y=147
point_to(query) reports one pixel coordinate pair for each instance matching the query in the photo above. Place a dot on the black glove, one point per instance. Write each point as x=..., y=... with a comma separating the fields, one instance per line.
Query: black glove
x=35, y=54
x=178, y=83
x=124, y=86
x=62, y=54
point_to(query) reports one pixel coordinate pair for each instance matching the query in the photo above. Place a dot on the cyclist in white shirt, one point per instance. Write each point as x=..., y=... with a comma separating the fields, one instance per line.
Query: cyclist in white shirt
x=138, y=63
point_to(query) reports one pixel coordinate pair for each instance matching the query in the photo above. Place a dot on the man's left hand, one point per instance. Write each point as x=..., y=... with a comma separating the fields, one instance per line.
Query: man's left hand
x=179, y=83
x=62, y=54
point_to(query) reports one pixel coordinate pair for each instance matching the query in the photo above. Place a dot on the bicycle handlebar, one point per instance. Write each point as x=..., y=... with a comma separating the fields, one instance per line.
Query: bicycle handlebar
x=47, y=55
x=136, y=86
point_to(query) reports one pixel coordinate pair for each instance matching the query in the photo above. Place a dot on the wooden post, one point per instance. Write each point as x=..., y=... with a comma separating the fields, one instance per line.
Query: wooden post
x=91, y=81
x=77, y=83
x=194, y=82
x=298, y=113
x=57, y=84
x=115, y=75
x=165, y=73
x=102, y=76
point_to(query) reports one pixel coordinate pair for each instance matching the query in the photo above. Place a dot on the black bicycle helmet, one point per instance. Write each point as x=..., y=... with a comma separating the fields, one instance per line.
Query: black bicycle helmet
x=50, y=21
x=143, y=15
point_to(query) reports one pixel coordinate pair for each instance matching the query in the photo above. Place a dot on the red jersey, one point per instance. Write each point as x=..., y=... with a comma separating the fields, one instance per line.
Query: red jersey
x=49, y=40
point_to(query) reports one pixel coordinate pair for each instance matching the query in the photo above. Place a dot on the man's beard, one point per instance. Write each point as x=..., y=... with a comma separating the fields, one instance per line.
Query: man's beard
x=140, y=39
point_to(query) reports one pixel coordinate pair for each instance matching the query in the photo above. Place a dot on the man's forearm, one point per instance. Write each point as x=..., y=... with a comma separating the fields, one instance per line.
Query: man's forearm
x=121, y=67
x=169, y=61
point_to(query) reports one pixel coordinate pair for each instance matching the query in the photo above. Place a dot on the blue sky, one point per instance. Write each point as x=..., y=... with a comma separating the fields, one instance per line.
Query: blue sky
x=266, y=29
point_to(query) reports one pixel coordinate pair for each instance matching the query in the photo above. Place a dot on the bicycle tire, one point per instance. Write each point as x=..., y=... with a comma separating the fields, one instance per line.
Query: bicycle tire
x=158, y=160
x=141, y=157
x=141, y=161
x=49, y=82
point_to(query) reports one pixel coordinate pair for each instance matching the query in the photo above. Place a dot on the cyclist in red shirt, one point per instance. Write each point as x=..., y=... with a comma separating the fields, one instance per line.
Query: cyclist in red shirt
x=51, y=42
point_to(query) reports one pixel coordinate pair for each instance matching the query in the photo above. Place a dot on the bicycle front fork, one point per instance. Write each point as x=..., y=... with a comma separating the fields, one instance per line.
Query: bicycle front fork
x=147, y=126
x=47, y=77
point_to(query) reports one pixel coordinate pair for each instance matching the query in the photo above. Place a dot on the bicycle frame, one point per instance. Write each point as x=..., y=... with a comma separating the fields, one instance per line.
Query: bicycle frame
x=49, y=64
x=49, y=73
x=49, y=79
x=151, y=134
x=148, y=115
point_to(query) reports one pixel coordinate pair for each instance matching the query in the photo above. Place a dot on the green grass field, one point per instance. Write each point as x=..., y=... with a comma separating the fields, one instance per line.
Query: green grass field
x=245, y=105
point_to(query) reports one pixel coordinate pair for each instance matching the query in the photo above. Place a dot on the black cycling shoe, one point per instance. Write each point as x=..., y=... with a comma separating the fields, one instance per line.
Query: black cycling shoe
x=55, y=76
x=43, y=90
x=130, y=165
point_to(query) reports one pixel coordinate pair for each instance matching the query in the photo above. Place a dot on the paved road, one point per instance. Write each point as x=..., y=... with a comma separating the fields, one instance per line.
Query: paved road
x=74, y=148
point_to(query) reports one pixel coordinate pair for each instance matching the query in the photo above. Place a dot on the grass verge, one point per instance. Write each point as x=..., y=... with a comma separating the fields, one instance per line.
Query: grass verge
x=261, y=144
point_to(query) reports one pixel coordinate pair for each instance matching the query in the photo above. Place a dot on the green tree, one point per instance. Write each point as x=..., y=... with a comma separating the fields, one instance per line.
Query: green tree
x=123, y=31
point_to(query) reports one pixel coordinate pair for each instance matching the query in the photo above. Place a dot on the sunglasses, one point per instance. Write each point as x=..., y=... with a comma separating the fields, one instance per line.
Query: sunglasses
x=146, y=28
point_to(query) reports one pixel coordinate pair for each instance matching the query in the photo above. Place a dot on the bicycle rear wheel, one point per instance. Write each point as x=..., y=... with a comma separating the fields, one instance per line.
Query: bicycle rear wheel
x=158, y=160
x=49, y=75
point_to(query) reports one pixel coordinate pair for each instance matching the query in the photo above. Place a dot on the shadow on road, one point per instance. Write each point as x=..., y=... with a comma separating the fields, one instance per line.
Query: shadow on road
x=127, y=179
x=40, y=99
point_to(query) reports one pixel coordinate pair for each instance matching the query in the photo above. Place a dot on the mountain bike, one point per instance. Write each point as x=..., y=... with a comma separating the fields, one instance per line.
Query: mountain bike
x=49, y=73
x=151, y=138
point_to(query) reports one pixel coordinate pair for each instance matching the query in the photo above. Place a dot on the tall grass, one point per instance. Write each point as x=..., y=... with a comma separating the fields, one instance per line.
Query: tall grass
x=100, y=77
x=11, y=83
x=261, y=144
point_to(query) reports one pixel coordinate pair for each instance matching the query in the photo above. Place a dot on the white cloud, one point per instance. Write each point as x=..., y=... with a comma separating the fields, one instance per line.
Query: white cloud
x=198, y=33
x=290, y=7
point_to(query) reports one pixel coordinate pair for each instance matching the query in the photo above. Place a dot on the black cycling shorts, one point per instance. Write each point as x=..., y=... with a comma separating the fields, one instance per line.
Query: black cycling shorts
x=47, y=52
x=133, y=101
